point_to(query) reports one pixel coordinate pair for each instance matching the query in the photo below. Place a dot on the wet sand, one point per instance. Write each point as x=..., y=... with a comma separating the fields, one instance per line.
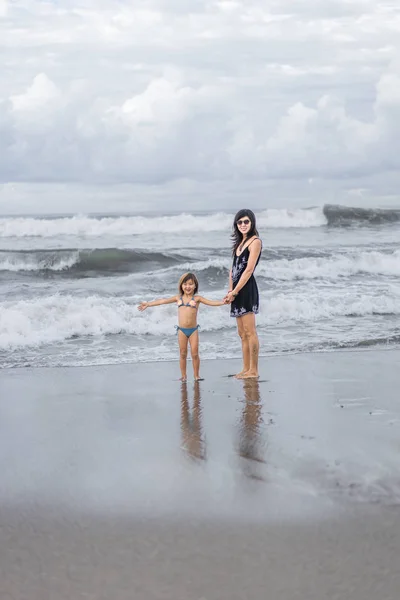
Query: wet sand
x=120, y=482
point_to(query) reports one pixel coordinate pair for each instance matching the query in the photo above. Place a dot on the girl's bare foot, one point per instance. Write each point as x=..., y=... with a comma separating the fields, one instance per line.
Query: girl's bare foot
x=183, y=379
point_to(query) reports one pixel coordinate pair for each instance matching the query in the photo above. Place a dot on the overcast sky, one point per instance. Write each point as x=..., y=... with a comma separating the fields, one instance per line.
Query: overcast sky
x=118, y=105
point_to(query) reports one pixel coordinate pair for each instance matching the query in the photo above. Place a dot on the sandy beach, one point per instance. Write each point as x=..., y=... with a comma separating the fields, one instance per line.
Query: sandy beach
x=120, y=482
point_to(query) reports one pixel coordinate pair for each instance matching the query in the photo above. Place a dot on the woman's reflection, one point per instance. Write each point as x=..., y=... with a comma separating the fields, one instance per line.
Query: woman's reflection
x=191, y=426
x=251, y=440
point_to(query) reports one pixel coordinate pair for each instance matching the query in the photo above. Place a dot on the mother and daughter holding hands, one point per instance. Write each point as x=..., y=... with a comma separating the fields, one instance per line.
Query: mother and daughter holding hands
x=242, y=296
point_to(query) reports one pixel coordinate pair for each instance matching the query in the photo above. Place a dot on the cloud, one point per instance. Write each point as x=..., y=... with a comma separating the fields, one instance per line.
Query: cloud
x=148, y=92
x=37, y=100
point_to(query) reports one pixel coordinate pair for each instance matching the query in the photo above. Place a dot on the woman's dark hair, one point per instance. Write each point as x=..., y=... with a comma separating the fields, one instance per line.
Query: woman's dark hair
x=186, y=277
x=236, y=235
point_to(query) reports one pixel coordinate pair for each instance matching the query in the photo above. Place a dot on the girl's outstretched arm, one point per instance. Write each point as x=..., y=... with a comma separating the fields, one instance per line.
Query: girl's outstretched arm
x=143, y=305
x=208, y=302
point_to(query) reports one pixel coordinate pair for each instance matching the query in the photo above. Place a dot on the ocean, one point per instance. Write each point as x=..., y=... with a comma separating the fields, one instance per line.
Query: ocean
x=70, y=285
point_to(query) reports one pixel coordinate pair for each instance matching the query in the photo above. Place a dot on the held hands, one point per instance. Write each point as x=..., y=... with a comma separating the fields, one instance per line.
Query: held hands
x=142, y=306
x=229, y=298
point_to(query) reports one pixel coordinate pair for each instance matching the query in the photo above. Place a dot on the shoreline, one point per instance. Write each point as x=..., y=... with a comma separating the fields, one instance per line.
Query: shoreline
x=362, y=350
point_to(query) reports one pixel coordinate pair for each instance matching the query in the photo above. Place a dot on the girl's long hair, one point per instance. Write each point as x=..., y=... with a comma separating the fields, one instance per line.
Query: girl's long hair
x=236, y=235
x=185, y=277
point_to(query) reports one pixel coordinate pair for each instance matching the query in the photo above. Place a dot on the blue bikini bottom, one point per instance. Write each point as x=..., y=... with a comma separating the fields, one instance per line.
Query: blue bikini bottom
x=188, y=331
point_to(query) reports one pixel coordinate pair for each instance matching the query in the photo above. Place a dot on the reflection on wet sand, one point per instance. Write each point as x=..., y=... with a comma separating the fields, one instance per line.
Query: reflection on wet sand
x=251, y=446
x=193, y=441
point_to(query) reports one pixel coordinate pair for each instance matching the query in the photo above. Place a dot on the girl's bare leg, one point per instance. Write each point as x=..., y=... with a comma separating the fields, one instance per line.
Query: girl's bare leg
x=245, y=347
x=183, y=343
x=194, y=349
x=248, y=322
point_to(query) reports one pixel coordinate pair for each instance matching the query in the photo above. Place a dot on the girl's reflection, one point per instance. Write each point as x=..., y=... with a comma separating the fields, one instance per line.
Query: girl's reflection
x=251, y=441
x=191, y=425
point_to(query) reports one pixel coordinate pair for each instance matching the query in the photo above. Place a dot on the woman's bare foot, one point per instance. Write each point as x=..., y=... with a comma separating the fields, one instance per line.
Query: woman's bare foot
x=183, y=379
x=240, y=375
x=249, y=375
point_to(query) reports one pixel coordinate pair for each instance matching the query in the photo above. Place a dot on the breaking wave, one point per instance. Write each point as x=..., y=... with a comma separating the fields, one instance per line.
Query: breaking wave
x=114, y=261
x=91, y=226
x=338, y=216
x=332, y=267
x=61, y=317
x=81, y=262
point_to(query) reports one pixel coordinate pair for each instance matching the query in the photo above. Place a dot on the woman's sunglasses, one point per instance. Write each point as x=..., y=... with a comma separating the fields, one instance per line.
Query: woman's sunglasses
x=243, y=222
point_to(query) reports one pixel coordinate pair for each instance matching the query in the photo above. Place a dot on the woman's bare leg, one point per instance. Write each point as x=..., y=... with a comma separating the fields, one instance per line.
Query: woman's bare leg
x=183, y=343
x=194, y=349
x=248, y=323
x=245, y=347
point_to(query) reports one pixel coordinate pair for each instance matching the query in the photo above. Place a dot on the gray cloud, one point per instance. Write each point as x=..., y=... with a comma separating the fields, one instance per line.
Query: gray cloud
x=146, y=93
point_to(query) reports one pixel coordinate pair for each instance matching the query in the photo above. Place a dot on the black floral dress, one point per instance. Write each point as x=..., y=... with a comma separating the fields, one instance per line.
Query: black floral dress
x=247, y=300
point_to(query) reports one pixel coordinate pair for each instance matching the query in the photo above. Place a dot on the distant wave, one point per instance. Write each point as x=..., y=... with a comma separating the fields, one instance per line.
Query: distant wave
x=58, y=318
x=88, y=226
x=337, y=215
x=91, y=227
x=84, y=262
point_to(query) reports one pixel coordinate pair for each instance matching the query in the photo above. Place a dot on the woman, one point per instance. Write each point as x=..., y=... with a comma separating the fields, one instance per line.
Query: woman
x=243, y=291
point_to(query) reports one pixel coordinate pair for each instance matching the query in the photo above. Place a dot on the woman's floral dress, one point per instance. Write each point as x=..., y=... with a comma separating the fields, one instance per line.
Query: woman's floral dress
x=247, y=300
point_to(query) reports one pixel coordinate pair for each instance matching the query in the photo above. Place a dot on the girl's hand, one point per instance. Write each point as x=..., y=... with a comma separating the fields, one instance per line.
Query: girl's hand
x=142, y=306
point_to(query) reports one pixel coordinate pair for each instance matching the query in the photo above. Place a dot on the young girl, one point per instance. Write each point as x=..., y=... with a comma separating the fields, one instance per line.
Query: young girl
x=188, y=305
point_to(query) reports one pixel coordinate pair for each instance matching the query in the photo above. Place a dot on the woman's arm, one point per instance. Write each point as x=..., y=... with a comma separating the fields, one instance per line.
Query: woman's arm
x=254, y=253
x=143, y=305
x=208, y=302
x=230, y=281
x=230, y=287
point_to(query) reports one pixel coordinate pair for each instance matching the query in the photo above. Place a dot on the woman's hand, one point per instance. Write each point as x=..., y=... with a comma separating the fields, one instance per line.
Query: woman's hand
x=142, y=306
x=229, y=298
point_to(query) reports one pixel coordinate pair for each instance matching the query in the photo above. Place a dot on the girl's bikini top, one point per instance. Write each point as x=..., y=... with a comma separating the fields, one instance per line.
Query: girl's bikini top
x=191, y=303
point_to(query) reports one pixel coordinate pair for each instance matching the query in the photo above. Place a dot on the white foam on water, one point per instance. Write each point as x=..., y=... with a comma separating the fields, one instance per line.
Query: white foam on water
x=284, y=217
x=323, y=267
x=194, y=267
x=26, y=262
x=334, y=267
x=86, y=226
x=56, y=318
x=283, y=308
